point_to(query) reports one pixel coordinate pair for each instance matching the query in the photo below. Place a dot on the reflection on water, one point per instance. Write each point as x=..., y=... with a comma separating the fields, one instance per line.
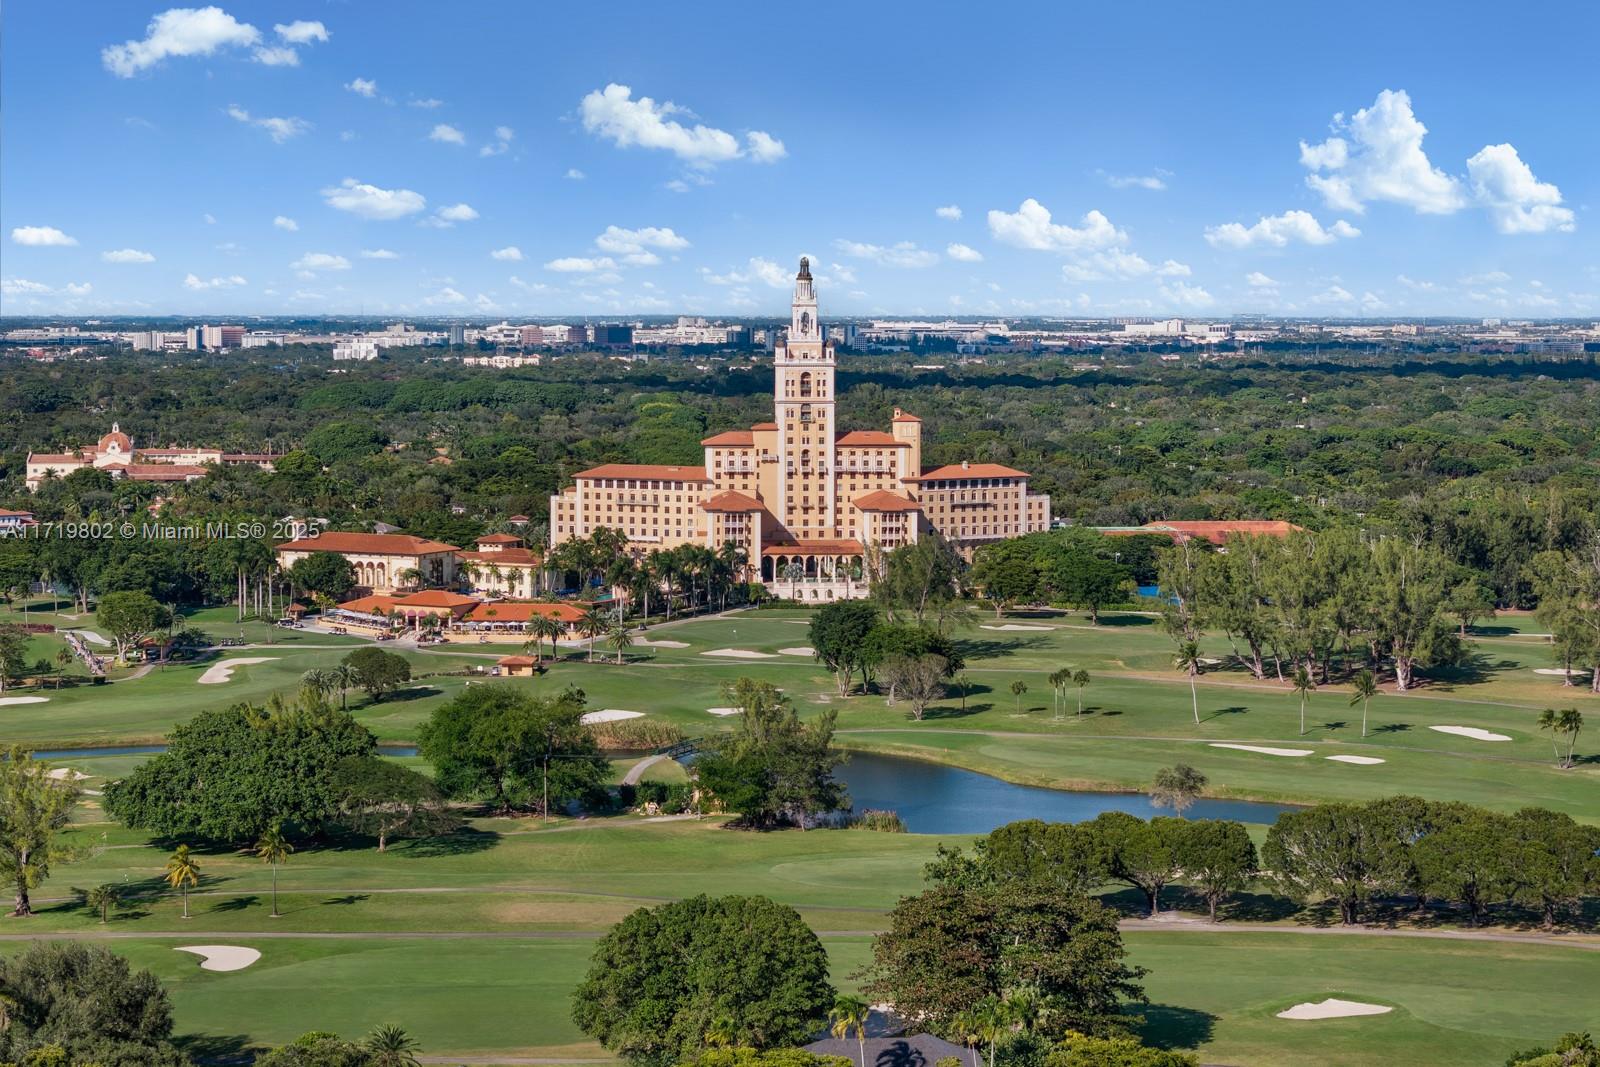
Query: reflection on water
x=932, y=799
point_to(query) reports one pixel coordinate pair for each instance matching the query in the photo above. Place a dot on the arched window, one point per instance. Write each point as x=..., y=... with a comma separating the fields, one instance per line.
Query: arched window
x=805, y=383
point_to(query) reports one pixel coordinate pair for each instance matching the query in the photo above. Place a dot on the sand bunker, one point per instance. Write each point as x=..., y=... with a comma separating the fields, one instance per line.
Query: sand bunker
x=1209, y=661
x=222, y=957
x=1563, y=672
x=1360, y=761
x=1017, y=626
x=67, y=774
x=664, y=644
x=1472, y=732
x=1264, y=750
x=722, y=711
x=1333, y=1008
x=799, y=650
x=218, y=673
x=738, y=653
x=23, y=700
x=609, y=715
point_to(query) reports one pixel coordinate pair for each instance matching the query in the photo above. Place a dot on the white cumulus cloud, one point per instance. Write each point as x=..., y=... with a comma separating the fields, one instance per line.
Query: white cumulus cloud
x=1153, y=182
x=963, y=253
x=362, y=87
x=179, y=31
x=279, y=129
x=1119, y=263
x=1516, y=200
x=614, y=114
x=457, y=213
x=1278, y=231
x=949, y=211
x=1256, y=280
x=1188, y=296
x=378, y=253
x=127, y=255
x=902, y=254
x=509, y=252
x=1030, y=227
x=581, y=264
x=1381, y=158
x=501, y=144
x=371, y=202
x=631, y=242
x=301, y=31
x=315, y=261
x=41, y=237
x=284, y=222
x=574, y=174
x=447, y=134
x=232, y=281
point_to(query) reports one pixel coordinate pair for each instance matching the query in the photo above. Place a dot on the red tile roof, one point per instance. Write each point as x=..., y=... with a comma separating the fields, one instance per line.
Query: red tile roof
x=506, y=557
x=499, y=539
x=516, y=661
x=971, y=470
x=1216, y=532
x=730, y=437
x=869, y=437
x=843, y=547
x=436, y=598
x=649, y=472
x=368, y=544
x=904, y=416
x=731, y=501
x=883, y=500
x=521, y=611
x=764, y=426
x=370, y=605
x=54, y=457
x=162, y=472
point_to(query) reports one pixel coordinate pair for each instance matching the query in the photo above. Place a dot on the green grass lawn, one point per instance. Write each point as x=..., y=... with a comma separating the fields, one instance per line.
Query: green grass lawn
x=1139, y=715
x=1456, y=1004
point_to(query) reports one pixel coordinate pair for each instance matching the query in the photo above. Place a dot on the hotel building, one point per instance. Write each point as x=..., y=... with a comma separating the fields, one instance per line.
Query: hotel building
x=810, y=505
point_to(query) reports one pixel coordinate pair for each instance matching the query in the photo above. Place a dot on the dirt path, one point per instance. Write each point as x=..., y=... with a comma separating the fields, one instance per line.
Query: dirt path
x=636, y=772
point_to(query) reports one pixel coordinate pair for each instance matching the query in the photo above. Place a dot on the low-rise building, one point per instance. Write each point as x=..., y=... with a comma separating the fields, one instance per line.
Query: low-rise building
x=115, y=453
x=383, y=563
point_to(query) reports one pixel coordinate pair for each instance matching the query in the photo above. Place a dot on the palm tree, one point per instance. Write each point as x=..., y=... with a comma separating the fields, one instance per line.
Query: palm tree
x=967, y=1027
x=344, y=676
x=390, y=1046
x=1564, y=723
x=183, y=871
x=1366, y=687
x=851, y=1013
x=1080, y=678
x=1059, y=680
x=1188, y=660
x=1025, y=1007
x=63, y=657
x=103, y=898
x=722, y=1032
x=542, y=627
x=1305, y=685
x=993, y=1020
x=274, y=848
x=319, y=682
x=410, y=576
x=1018, y=688
x=620, y=638
x=595, y=622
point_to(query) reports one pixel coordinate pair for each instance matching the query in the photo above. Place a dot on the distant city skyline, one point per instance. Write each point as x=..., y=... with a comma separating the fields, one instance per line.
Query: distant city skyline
x=1015, y=160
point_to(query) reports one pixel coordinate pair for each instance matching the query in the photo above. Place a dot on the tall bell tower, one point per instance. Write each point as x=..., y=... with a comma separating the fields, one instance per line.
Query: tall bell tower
x=803, y=399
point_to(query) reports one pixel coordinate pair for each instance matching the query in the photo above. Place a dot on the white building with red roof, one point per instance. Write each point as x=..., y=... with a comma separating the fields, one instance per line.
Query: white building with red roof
x=805, y=501
x=116, y=454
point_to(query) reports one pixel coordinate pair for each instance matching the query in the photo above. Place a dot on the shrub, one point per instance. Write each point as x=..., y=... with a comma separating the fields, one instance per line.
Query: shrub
x=887, y=822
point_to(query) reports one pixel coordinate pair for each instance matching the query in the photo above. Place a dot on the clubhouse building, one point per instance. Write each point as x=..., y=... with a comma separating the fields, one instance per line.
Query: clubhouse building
x=812, y=506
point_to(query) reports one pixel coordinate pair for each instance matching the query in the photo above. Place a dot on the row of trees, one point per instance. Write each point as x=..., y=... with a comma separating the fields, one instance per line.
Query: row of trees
x=1215, y=858
x=857, y=637
x=1405, y=848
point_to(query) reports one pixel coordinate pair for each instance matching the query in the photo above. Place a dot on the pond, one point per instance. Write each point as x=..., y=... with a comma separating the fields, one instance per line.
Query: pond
x=933, y=799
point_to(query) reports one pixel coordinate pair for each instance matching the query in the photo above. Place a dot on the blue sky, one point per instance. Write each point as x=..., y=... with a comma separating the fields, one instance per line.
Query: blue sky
x=493, y=158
